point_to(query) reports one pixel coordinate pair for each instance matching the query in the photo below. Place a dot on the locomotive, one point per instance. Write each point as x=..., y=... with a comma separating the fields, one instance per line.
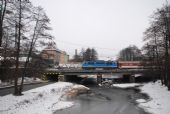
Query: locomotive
x=101, y=64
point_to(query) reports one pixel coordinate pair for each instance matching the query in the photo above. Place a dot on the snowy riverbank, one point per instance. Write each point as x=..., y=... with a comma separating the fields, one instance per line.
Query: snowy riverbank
x=160, y=98
x=27, y=80
x=42, y=100
x=126, y=85
x=47, y=99
x=159, y=101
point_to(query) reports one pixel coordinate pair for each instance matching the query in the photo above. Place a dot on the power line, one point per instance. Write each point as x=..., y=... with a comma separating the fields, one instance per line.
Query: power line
x=100, y=56
x=82, y=45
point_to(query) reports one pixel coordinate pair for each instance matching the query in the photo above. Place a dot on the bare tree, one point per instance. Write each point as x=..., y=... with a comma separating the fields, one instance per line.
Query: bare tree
x=38, y=35
x=157, y=38
x=2, y=15
x=131, y=53
x=20, y=13
x=23, y=27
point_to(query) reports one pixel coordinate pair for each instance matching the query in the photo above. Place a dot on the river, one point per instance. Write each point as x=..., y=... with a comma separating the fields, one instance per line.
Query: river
x=106, y=101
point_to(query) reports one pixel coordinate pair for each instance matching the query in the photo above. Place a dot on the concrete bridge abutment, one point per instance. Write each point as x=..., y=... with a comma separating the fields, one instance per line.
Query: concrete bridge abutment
x=99, y=78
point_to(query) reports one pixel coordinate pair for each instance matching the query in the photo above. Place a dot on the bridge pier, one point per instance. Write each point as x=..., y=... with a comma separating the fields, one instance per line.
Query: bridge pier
x=51, y=76
x=99, y=78
x=61, y=78
x=132, y=79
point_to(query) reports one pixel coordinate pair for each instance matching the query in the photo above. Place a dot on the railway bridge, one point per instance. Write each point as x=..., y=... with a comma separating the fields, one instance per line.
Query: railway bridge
x=63, y=74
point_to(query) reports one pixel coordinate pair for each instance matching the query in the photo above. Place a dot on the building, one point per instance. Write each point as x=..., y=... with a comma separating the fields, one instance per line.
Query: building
x=63, y=57
x=54, y=56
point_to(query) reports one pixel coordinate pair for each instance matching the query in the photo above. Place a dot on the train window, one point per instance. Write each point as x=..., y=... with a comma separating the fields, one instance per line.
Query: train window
x=113, y=63
x=109, y=63
x=91, y=63
x=100, y=62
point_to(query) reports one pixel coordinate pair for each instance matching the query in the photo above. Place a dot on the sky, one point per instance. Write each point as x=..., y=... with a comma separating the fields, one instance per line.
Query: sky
x=106, y=25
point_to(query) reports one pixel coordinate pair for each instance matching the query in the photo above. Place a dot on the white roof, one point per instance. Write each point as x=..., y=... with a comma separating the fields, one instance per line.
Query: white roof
x=21, y=59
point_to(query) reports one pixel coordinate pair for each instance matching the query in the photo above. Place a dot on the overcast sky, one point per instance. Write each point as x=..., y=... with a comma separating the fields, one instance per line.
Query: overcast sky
x=106, y=25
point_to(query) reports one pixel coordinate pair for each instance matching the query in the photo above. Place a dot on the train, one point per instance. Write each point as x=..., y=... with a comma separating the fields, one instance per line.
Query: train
x=101, y=64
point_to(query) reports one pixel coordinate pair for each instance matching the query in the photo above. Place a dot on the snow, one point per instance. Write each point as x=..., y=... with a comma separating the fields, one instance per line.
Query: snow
x=141, y=101
x=159, y=101
x=1, y=58
x=47, y=99
x=127, y=85
x=71, y=65
x=21, y=59
x=27, y=80
x=4, y=84
x=42, y=100
x=160, y=98
x=80, y=87
x=115, y=76
x=137, y=75
x=75, y=91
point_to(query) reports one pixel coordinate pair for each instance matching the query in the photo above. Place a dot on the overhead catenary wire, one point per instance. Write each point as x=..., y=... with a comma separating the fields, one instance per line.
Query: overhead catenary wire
x=82, y=45
x=96, y=47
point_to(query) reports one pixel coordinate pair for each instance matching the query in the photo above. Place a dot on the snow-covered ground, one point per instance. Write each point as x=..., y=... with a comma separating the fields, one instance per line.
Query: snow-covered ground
x=42, y=100
x=126, y=85
x=159, y=102
x=27, y=80
x=47, y=99
x=160, y=98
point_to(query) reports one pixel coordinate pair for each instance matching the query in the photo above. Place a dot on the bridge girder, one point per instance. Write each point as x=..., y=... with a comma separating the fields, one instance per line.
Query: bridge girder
x=83, y=72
